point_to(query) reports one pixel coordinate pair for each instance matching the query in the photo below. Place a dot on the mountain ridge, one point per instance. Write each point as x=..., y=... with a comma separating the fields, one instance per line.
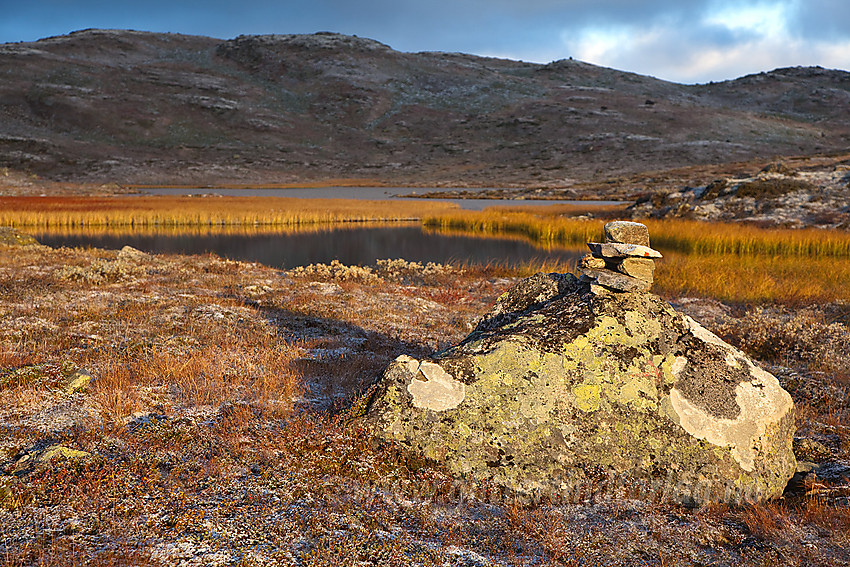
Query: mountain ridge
x=145, y=108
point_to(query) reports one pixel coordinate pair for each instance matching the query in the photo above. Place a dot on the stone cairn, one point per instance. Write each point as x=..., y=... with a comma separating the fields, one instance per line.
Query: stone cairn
x=624, y=262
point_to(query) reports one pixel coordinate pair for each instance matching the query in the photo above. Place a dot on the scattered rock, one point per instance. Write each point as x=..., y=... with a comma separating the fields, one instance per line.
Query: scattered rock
x=30, y=461
x=558, y=389
x=777, y=196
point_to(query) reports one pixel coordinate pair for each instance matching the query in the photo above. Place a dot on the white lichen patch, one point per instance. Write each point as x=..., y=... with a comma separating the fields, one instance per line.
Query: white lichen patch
x=762, y=402
x=678, y=365
x=439, y=391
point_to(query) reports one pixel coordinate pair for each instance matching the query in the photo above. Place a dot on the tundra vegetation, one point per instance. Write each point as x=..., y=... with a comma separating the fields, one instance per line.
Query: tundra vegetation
x=220, y=425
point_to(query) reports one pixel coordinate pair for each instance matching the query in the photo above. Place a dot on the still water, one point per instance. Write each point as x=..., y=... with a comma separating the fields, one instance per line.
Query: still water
x=370, y=193
x=350, y=244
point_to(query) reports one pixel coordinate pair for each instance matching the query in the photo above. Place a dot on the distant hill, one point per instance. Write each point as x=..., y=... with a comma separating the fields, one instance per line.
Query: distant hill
x=135, y=107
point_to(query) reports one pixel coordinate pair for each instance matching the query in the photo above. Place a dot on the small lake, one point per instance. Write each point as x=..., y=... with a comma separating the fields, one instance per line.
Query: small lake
x=372, y=194
x=351, y=244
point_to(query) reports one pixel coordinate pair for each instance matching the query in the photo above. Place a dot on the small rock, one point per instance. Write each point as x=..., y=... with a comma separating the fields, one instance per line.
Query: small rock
x=619, y=250
x=128, y=253
x=806, y=466
x=627, y=232
x=640, y=268
x=31, y=461
x=78, y=382
x=592, y=262
x=614, y=280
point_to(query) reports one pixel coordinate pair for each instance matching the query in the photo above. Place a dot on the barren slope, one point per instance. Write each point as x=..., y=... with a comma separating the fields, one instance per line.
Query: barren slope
x=138, y=107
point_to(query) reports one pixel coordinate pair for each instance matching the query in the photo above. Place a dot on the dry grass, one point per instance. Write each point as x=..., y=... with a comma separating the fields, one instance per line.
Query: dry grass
x=203, y=457
x=690, y=237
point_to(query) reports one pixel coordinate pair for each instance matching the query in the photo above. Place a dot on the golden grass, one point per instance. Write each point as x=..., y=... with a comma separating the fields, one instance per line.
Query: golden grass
x=693, y=237
x=146, y=211
x=754, y=279
x=540, y=228
x=729, y=262
x=212, y=229
x=696, y=237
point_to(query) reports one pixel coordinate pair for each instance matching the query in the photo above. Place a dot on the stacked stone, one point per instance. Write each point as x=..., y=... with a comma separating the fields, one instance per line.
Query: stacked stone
x=624, y=262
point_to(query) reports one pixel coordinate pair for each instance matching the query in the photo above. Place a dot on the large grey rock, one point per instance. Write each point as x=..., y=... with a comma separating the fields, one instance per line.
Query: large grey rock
x=558, y=388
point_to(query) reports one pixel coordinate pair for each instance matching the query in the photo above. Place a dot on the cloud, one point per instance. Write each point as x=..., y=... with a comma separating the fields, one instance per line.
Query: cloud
x=821, y=19
x=722, y=40
x=692, y=41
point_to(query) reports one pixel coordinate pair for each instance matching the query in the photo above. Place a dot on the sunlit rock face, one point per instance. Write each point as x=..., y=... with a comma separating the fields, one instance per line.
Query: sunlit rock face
x=563, y=393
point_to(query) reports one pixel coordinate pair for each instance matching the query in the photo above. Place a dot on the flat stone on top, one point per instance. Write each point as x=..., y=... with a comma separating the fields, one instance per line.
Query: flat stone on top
x=627, y=232
x=620, y=250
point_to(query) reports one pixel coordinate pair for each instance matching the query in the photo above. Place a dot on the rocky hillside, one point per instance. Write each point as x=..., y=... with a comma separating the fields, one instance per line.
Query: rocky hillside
x=134, y=107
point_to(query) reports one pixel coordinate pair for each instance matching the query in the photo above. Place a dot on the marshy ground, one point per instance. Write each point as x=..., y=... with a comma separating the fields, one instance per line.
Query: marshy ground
x=219, y=429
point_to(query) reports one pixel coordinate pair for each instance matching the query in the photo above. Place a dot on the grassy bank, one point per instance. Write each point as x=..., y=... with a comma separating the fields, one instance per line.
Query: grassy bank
x=186, y=211
x=686, y=236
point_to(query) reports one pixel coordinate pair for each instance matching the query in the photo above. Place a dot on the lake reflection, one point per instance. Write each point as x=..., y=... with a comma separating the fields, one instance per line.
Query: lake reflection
x=357, y=245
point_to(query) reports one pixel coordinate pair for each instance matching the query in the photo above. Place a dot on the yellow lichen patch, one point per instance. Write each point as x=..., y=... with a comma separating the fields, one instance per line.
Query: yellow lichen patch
x=642, y=328
x=640, y=390
x=609, y=331
x=588, y=397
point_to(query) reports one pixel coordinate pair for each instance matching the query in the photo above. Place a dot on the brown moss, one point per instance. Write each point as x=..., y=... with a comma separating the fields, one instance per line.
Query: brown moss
x=773, y=187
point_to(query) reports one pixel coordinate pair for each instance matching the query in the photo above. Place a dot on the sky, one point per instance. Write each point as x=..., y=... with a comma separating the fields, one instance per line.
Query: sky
x=686, y=41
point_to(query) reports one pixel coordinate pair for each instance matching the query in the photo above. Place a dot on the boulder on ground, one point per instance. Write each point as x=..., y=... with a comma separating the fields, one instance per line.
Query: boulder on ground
x=560, y=391
x=13, y=237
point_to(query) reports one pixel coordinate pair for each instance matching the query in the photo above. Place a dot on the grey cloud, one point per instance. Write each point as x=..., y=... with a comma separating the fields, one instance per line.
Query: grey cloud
x=821, y=19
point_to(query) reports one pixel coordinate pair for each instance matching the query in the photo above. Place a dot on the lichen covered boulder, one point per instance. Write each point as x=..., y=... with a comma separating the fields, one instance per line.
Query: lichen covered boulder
x=559, y=387
x=12, y=237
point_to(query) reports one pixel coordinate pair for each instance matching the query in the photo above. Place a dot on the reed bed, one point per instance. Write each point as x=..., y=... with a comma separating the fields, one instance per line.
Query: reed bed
x=539, y=228
x=147, y=211
x=695, y=237
x=789, y=280
x=685, y=236
x=730, y=262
